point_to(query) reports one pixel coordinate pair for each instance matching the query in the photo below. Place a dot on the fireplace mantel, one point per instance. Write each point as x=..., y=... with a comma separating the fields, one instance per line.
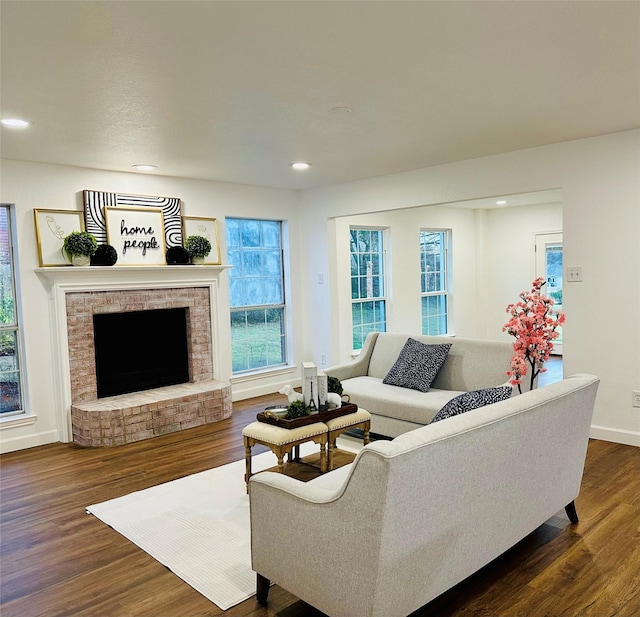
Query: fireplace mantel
x=63, y=280
x=106, y=277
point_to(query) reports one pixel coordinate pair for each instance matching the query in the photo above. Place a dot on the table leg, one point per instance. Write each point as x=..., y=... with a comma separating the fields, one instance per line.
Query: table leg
x=323, y=458
x=331, y=448
x=247, y=458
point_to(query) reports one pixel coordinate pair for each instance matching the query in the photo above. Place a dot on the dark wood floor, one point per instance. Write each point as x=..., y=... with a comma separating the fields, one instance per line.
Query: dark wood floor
x=56, y=560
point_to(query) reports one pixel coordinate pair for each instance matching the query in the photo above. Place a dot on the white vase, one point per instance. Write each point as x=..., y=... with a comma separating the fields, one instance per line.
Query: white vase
x=81, y=260
x=198, y=261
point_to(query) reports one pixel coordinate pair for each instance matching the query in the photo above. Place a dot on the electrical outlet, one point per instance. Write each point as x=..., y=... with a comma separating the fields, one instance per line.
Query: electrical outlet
x=323, y=359
x=636, y=398
x=574, y=274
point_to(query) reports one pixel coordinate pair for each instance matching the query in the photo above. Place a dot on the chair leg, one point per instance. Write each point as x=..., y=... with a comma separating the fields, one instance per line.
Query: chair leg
x=262, y=589
x=570, y=509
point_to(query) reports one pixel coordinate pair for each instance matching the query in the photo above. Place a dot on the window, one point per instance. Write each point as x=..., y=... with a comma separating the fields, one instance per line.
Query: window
x=11, y=397
x=434, y=281
x=256, y=293
x=368, y=304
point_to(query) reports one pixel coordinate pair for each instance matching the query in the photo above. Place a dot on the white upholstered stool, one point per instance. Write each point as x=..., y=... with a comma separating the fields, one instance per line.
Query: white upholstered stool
x=282, y=440
x=360, y=419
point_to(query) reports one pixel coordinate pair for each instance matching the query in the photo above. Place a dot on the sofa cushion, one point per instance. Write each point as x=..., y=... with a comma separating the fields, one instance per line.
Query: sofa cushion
x=470, y=365
x=473, y=400
x=417, y=365
x=395, y=402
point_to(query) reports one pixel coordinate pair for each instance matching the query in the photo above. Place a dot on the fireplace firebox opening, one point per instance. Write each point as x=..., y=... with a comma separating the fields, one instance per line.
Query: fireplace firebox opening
x=140, y=350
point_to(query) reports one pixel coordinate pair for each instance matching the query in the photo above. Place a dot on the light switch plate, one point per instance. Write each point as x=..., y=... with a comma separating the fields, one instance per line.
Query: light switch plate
x=574, y=274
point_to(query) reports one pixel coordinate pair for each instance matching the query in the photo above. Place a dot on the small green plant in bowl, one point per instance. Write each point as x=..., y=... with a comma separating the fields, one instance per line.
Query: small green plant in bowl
x=334, y=385
x=297, y=409
x=198, y=248
x=79, y=246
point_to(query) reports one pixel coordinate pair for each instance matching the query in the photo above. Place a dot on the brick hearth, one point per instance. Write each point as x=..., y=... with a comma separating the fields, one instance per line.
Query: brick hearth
x=126, y=418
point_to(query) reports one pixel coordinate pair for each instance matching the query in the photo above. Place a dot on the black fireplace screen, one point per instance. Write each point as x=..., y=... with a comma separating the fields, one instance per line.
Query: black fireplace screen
x=140, y=350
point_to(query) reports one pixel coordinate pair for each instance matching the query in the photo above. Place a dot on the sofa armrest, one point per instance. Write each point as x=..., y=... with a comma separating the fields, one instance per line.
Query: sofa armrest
x=297, y=529
x=305, y=491
x=358, y=367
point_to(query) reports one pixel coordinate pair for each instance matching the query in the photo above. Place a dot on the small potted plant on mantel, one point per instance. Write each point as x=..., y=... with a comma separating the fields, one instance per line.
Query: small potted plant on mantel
x=79, y=246
x=198, y=248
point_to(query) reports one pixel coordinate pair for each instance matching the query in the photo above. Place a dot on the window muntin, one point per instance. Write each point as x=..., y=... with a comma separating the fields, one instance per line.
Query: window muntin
x=11, y=395
x=368, y=284
x=256, y=294
x=434, y=281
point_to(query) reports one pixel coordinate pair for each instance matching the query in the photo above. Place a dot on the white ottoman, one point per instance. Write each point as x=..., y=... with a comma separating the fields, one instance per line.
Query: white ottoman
x=360, y=419
x=282, y=440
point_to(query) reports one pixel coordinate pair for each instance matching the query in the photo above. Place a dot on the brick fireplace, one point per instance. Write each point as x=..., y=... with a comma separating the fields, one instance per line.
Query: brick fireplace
x=80, y=293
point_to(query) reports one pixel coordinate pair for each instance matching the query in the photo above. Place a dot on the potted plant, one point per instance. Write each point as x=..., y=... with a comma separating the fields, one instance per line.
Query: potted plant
x=334, y=386
x=297, y=409
x=79, y=246
x=198, y=248
x=534, y=323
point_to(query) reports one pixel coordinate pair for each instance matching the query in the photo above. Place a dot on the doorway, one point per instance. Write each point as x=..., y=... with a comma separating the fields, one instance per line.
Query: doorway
x=549, y=267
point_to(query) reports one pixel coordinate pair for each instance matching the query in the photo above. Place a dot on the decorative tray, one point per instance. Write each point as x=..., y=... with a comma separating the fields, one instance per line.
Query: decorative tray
x=318, y=416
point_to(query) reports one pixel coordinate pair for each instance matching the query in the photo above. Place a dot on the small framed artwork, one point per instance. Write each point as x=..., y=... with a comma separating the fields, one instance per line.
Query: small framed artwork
x=137, y=234
x=52, y=226
x=207, y=228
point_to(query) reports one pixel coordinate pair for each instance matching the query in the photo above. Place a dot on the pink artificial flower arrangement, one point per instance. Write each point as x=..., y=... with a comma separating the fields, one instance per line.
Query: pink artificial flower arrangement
x=534, y=324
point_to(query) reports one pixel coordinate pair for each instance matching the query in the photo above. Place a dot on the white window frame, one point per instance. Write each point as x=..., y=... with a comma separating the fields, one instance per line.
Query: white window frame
x=445, y=277
x=286, y=327
x=17, y=417
x=384, y=298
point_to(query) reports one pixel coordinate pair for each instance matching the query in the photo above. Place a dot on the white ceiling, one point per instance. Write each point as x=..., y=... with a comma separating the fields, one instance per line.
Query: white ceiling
x=235, y=91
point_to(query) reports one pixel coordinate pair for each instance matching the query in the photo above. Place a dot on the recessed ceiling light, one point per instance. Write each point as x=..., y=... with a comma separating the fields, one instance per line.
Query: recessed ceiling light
x=501, y=202
x=145, y=167
x=342, y=109
x=300, y=165
x=16, y=123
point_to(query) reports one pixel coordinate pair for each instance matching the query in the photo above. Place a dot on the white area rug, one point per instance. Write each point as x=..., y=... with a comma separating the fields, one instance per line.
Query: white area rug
x=198, y=526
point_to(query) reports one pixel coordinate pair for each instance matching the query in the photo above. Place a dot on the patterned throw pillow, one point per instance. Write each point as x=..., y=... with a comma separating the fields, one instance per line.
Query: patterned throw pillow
x=417, y=365
x=473, y=400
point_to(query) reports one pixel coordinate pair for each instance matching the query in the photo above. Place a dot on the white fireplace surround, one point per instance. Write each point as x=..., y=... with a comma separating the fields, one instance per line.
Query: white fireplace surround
x=61, y=281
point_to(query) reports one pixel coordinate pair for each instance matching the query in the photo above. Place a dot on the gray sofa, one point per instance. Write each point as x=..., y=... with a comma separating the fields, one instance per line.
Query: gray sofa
x=470, y=365
x=412, y=517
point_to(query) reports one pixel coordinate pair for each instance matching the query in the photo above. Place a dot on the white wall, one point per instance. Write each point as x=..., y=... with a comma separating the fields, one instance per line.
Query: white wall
x=600, y=179
x=30, y=186
x=507, y=245
x=601, y=225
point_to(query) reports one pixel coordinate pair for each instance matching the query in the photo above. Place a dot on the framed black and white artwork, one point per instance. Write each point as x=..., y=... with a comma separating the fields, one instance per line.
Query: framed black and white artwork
x=95, y=203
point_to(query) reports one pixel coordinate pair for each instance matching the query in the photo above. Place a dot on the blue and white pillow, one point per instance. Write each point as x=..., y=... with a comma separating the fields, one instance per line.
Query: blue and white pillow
x=417, y=365
x=473, y=400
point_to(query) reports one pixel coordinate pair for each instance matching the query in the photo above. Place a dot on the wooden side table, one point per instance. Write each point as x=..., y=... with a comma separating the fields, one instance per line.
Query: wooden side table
x=360, y=419
x=282, y=440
